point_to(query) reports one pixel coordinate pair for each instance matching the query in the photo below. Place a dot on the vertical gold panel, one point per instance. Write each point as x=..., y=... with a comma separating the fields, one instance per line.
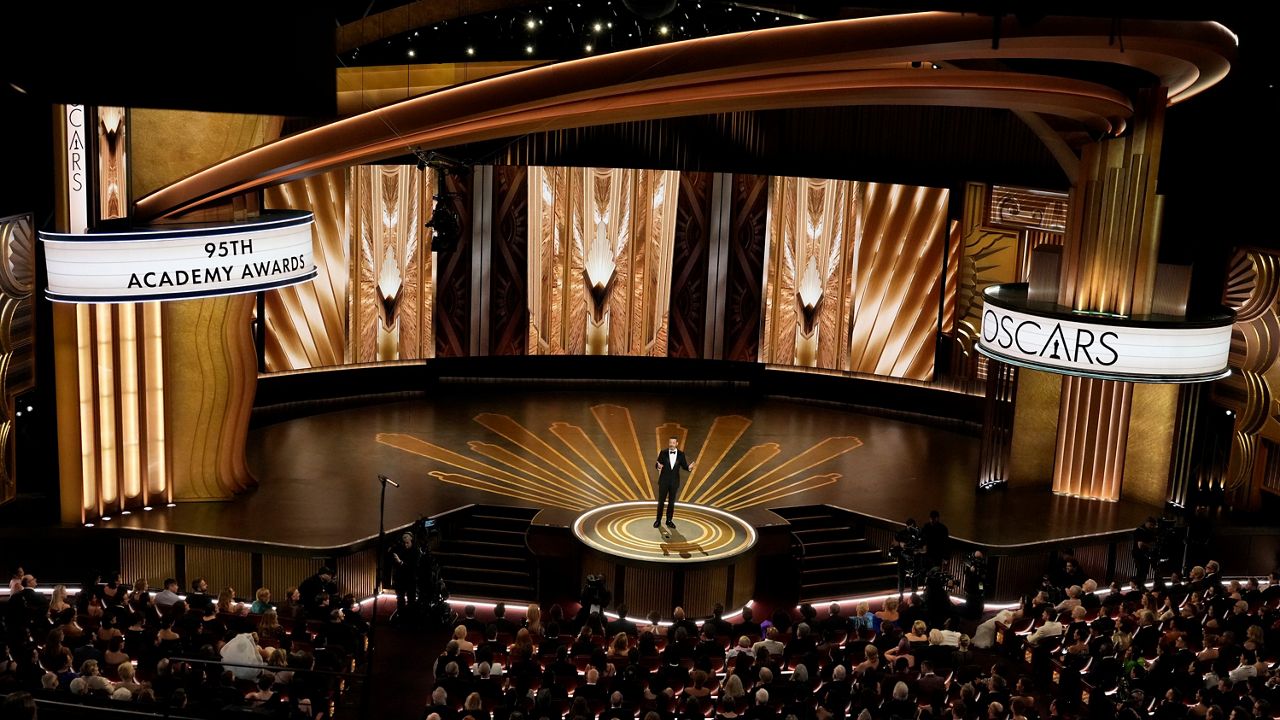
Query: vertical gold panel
x=355, y=573
x=17, y=336
x=391, y=267
x=281, y=572
x=147, y=559
x=649, y=588
x=1035, y=427
x=307, y=323
x=104, y=364
x=703, y=588
x=157, y=469
x=129, y=400
x=1151, y=430
x=1093, y=429
x=222, y=568
x=209, y=352
x=112, y=178
x=896, y=277
x=600, y=256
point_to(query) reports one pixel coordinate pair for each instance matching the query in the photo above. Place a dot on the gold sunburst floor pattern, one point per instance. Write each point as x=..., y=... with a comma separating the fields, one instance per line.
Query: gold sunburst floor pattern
x=566, y=467
x=701, y=533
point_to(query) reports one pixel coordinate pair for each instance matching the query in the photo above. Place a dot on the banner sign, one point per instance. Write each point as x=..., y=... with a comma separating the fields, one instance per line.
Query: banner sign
x=1128, y=349
x=176, y=262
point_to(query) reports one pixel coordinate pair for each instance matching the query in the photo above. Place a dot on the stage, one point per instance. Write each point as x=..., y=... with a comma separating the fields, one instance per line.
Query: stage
x=566, y=451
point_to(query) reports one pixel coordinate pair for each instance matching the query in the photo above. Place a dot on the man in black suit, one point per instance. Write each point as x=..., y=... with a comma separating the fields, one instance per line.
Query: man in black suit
x=669, y=464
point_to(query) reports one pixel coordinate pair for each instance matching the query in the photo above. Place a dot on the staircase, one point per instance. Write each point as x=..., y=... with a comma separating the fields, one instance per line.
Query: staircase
x=836, y=561
x=484, y=556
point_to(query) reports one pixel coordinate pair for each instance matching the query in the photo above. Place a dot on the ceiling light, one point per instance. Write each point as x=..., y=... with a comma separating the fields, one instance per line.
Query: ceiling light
x=588, y=47
x=471, y=51
x=528, y=49
x=663, y=30
x=598, y=26
x=530, y=23
x=411, y=53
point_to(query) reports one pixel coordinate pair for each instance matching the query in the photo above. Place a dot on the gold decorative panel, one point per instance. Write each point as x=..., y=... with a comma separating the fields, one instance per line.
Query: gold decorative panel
x=113, y=163
x=355, y=573
x=1035, y=429
x=281, y=572
x=392, y=276
x=896, y=279
x=149, y=559
x=1253, y=291
x=307, y=323
x=169, y=145
x=1093, y=429
x=808, y=288
x=600, y=260
x=989, y=257
x=17, y=335
x=209, y=354
x=222, y=568
x=1027, y=209
x=1147, y=456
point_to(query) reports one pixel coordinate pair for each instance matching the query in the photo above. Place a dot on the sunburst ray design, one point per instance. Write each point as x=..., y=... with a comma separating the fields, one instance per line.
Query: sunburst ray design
x=577, y=472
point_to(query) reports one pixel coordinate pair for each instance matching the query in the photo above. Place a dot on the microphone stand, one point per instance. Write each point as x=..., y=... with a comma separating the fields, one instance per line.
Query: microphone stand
x=384, y=481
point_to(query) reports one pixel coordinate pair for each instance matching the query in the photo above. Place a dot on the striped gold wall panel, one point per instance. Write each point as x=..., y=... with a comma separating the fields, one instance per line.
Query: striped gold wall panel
x=744, y=583
x=209, y=353
x=649, y=589
x=1093, y=561
x=222, y=568
x=355, y=573
x=1148, y=450
x=1093, y=429
x=897, y=278
x=306, y=324
x=1014, y=572
x=599, y=265
x=281, y=572
x=703, y=588
x=951, y=280
x=148, y=559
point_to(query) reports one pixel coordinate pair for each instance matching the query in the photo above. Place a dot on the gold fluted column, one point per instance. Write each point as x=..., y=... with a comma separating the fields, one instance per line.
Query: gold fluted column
x=1109, y=265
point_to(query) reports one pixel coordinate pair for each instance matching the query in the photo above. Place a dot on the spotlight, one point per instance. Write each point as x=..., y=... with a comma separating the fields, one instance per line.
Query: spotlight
x=88, y=524
x=19, y=413
x=588, y=47
x=597, y=27
x=126, y=512
x=663, y=30
x=528, y=49
x=530, y=23
x=609, y=24
x=445, y=228
x=471, y=51
x=172, y=504
x=106, y=518
x=29, y=408
x=411, y=53
x=147, y=508
x=936, y=66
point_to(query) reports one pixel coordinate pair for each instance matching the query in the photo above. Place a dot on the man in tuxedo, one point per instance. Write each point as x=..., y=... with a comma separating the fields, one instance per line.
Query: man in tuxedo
x=669, y=464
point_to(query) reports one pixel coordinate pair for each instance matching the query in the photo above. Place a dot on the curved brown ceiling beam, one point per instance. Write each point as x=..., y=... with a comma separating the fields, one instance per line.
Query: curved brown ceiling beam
x=1098, y=108
x=1185, y=57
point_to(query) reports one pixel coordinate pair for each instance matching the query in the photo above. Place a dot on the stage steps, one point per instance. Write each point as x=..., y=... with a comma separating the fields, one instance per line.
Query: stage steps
x=835, y=560
x=484, y=556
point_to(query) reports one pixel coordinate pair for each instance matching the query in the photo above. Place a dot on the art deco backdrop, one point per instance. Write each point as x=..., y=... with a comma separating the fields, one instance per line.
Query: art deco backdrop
x=600, y=268
x=853, y=276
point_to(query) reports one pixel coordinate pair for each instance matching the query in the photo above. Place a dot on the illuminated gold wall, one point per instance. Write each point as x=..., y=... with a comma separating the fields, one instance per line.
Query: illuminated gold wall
x=853, y=276
x=600, y=260
x=17, y=335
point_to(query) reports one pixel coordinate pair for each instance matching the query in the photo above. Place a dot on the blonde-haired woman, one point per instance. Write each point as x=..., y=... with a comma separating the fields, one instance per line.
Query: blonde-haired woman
x=533, y=620
x=460, y=637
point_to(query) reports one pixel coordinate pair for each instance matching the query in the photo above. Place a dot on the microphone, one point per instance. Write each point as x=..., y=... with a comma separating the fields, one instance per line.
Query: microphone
x=388, y=480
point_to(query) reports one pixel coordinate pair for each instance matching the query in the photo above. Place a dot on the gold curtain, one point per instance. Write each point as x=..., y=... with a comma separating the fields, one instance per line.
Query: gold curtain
x=600, y=252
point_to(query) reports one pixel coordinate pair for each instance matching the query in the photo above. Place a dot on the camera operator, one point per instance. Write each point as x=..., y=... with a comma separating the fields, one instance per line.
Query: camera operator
x=404, y=559
x=906, y=550
x=1144, y=548
x=975, y=584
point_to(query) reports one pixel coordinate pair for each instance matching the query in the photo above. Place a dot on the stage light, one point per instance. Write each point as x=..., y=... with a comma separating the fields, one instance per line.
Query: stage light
x=106, y=518
x=936, y=66
x=663, y=30
x=445, y=227
x=19, y=413
x=471, y=51
x=598, y=27
x=411, y=53
x=609, y=24
x=530, y=24
x=588, y=47
x=528, y=49
x=147, y=508
x=172, y=504
x=29, y=408
x=88, y=524
x=126, y=512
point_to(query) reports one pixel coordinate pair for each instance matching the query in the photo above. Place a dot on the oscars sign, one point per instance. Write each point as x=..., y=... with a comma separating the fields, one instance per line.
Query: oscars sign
x=179, y=262
x=1157, y=349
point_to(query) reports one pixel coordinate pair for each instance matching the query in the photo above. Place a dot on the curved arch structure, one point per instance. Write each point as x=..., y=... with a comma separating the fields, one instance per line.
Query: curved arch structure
x=852, y=62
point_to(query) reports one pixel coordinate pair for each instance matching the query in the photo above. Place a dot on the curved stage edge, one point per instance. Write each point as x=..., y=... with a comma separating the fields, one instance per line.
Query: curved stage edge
x=583, y=446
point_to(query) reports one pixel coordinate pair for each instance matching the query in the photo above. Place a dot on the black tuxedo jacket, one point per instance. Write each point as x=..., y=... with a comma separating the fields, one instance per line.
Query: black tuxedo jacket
x=666, y=472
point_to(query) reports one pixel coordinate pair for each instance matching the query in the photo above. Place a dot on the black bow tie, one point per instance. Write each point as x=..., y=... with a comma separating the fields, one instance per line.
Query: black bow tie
x=673, y=452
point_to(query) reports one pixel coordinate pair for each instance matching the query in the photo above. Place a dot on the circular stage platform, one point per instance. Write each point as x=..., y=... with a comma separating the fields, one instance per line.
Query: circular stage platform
x=708, y=558
x=701, y=533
